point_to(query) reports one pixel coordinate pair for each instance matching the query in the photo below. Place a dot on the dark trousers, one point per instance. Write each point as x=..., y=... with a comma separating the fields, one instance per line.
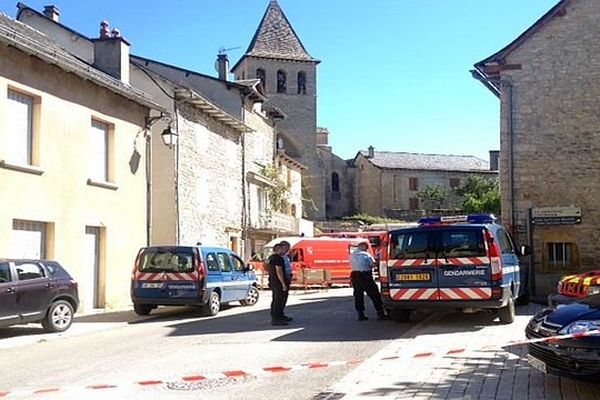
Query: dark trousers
x=288, y=281
x=363, y=282
x=278, y=300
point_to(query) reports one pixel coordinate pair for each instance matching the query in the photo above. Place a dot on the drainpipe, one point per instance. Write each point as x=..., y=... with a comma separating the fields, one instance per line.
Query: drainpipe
x=496, y=85
x=244, y=197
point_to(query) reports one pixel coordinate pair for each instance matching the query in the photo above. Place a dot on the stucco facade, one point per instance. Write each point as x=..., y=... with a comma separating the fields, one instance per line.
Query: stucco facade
x=550, y=136
x=55, y=191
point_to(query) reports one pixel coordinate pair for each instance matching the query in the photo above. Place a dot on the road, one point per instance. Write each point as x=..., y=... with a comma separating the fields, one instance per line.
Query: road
x=113, y=353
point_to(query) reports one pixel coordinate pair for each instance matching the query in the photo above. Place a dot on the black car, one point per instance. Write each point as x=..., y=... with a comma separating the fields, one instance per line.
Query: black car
x=37, y=291
x=572, y=357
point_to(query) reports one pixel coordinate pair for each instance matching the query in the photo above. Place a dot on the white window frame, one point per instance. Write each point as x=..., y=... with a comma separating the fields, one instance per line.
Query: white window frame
x=19, y=139
x=99, y=151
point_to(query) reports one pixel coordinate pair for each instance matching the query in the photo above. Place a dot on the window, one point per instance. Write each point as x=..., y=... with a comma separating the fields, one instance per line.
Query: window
x=238, y=264
x=28, y=240
x=281, y=81
x=335, y=182
x=454, y=183
x=29, y=271
x=224, y=262
x=167, y=260
x=506, y=244
x=413, y=203
x=4, y=273
x=211, y=262
x=410, y=245
x=301, y=82
x=463, y=243
x=98, y=152
x=261, y=74
x=413, y=184
x=19, y=143
x=560, y=254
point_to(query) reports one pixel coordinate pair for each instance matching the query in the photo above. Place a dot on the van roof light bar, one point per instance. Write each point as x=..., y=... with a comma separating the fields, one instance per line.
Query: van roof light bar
x=465, y=219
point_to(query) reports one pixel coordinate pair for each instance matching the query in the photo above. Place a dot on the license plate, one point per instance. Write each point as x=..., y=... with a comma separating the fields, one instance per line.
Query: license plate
x=413, y=277
x=153, y=285
x=537, y=364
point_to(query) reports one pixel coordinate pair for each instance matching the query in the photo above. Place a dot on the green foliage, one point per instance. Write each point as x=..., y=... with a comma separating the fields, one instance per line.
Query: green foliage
x=433, y=196
x=481, y=195
x=369, y=219
x=279, y=193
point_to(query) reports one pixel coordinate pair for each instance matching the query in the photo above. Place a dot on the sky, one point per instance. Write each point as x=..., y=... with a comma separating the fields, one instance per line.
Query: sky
x=394, y=74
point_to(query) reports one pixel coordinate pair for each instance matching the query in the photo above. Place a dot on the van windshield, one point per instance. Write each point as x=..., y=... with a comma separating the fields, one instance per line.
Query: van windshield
x=263, y=254
x=167, y=260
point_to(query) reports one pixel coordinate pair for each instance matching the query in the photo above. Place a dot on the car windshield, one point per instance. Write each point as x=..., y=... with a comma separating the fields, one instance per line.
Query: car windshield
x=167, y=260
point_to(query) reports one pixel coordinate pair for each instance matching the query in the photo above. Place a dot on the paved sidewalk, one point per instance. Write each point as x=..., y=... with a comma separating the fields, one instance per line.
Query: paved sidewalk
x=458, y=356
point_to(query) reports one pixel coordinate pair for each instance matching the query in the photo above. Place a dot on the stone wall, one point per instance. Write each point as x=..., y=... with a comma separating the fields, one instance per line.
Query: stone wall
x=556, y=130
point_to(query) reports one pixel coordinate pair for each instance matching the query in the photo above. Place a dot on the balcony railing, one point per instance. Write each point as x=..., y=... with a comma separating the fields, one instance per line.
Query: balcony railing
x=277, y=222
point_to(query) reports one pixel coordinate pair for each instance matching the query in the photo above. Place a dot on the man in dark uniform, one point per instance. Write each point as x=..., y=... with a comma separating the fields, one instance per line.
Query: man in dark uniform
x=277, y=284
x=361, y=277
x=287, y=272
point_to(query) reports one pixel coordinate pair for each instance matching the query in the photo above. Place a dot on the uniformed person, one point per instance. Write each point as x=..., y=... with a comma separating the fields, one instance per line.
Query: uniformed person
x=287, y=272
x=277, y=284
x=361, y=277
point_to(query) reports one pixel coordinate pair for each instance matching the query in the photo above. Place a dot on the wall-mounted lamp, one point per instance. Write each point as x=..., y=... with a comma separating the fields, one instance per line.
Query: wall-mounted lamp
x=169, y=137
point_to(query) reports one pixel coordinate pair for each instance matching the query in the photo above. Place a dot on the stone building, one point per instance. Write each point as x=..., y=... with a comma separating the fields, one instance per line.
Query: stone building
x=288, y=74
x=388, y=183
x=73, y=160
x=547, y=83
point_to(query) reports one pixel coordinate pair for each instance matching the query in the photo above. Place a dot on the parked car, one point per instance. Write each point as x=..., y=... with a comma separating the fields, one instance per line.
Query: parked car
x=577, y=357
x=455, y=262
x=190, y=275
x=37, y=291
x=574, y=287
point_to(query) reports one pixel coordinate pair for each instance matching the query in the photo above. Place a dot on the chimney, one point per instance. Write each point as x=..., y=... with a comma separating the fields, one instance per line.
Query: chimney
x=111, y=53
x=494, y=160
x=371, y=152
x=222, y=66
x=52, y=12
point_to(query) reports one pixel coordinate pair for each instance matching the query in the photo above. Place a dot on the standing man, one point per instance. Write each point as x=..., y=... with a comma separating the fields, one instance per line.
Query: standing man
x=277, y=284
x=287, y=271
x=361, y=277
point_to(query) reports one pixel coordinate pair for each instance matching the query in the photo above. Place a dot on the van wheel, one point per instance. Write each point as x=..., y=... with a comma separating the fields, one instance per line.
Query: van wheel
x=507, y=313
x=400, y=315
x=59, y=317
x=252, y=297
x=142, y=309
x=213, y=305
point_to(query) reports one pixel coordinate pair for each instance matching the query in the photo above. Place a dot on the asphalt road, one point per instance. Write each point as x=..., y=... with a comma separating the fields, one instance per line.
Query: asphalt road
x=108, y=355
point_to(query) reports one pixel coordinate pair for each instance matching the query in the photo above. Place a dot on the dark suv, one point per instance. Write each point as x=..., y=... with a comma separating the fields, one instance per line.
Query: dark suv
x=37, y=291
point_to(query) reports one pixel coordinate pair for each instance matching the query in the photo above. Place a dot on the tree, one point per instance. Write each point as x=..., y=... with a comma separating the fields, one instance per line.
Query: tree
x=481, y=195
x=433, y=196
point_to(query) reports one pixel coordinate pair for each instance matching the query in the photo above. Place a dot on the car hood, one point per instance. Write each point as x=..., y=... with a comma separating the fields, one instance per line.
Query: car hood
x=585, y=309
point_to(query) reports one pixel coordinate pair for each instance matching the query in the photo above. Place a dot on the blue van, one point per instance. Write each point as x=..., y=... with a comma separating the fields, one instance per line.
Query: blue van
x=190, y=275
x=464, y=262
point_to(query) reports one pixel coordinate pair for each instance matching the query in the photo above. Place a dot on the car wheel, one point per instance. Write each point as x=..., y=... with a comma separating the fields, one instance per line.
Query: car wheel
x=252, y=297
x=507, y=313
x=59, y=317
x=142, y=309
x=213, y=305
x=400, y=315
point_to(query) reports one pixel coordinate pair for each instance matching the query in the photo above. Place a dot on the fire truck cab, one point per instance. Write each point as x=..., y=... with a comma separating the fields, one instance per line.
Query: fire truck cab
x=459, y=262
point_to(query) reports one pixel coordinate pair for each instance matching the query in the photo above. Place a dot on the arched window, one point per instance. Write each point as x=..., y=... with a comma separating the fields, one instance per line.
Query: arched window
x=281, y=81
x=301, y=82
x=335, y=182
x=260, y=74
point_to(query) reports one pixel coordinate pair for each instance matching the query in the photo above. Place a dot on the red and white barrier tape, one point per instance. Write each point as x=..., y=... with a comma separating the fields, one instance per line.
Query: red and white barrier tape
x=273, y=370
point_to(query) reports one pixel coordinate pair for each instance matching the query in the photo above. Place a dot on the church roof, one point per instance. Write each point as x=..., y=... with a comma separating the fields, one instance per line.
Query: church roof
x=431, y=162
x=275, y=38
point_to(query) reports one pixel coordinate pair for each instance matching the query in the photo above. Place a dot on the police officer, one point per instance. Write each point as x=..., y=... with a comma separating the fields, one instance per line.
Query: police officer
x=277, y=284
x=361, y=277
x=287, y=272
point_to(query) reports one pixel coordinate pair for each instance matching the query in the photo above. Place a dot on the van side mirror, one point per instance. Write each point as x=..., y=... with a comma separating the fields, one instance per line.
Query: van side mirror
x=525, y=250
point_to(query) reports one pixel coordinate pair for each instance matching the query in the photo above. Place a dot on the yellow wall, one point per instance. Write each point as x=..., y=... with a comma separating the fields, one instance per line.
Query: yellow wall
x=61, y=195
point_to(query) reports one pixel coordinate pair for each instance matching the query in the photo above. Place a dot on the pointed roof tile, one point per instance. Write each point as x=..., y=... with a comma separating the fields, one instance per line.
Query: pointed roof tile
x=275, y=38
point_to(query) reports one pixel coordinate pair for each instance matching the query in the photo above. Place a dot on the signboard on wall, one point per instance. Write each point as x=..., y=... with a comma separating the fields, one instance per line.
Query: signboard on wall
x=570, y=215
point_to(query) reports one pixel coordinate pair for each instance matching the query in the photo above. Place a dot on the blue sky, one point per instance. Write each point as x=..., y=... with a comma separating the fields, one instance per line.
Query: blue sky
x=394, y=73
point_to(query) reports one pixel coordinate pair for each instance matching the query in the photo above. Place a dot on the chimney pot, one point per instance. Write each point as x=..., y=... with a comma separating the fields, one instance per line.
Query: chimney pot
x=222, y=66
x=104, y=30
x=371, y=152
x=52, y=12
x=494, y=160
